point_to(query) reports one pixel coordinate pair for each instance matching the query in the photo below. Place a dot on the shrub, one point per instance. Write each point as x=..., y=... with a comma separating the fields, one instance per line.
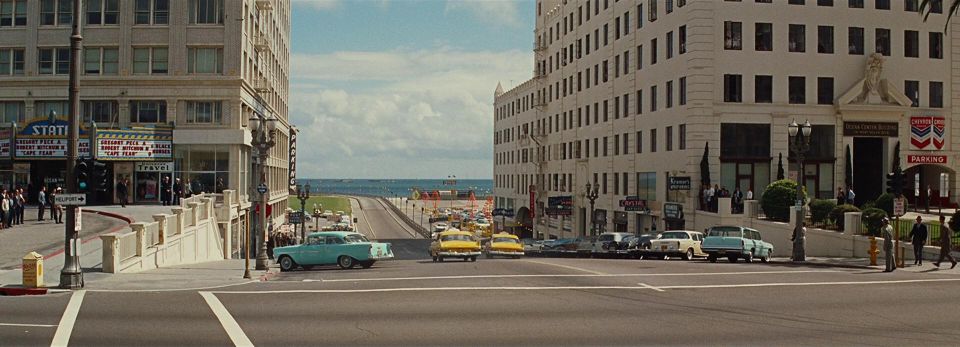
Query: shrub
x=868, y=204
x=885, y=203
x=837, y=213
x=777, y=199
x=873, y=219
x=820, y=209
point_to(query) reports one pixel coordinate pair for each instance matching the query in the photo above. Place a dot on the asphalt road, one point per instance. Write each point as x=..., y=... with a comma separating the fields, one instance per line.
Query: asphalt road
x=378, y=222
x=530, y=301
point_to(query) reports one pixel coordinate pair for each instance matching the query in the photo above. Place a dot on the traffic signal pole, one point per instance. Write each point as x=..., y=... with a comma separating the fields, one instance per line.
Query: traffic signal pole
x=71, y=276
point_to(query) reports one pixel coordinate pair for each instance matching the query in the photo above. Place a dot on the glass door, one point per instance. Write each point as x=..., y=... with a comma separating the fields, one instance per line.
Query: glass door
x=147, y=187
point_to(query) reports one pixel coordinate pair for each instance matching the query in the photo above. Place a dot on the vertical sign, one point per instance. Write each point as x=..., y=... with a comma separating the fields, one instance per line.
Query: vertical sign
x=533, y=200
x=944, y=184
x=293, y=160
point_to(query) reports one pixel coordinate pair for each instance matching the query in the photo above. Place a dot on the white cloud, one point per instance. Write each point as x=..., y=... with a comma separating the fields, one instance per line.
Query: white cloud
x=323, y=5
x=399, y=113
x=496, y=12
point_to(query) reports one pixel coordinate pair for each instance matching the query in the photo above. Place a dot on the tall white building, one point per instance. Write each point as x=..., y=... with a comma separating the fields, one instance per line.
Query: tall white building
x=170, y=84
x=626, y=94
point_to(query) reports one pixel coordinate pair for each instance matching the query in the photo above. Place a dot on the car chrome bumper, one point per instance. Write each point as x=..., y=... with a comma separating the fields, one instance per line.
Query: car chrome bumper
x=505, y=253
x=722, y=251
x=381, y=257
x=458, y=254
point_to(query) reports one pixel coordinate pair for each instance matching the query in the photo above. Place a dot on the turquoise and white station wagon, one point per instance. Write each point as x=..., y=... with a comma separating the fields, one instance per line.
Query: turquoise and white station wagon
x=734, y=242
x=345, y=249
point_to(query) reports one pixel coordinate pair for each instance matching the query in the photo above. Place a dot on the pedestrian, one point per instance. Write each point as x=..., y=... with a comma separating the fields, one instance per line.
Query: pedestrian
x=122, y=192
x=841, y=197
x=177, y=191
x=165, y=191
x=41, y=202
x=705, y=198
x=56, y=209
x=717, y=193
x=919, y=238
x=737, y=200
x=220, y=186
x=945, y=234
x=851, y=196
x=889, y=259
x=749, y=194
x=196, y=187
x=187, y=188
x=21, y=205
x=929, y=197
x=4, y=209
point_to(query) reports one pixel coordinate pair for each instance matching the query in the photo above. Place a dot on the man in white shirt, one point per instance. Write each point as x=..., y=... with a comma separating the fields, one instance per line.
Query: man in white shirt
x=749, y=194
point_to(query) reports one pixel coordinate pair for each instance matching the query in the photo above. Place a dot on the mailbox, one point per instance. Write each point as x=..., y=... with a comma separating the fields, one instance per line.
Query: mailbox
x=33, y=270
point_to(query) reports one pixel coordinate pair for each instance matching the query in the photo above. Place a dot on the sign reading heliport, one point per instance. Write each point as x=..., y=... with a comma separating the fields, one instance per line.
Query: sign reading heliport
x=70, y=199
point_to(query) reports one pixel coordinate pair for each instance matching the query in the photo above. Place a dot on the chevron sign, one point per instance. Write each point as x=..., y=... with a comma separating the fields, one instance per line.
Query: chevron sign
x=927, y=132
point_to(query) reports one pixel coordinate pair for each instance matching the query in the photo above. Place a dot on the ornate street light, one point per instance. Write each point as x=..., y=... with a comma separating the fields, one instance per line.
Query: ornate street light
x=303, y=195
x=264, y=136
x=799, y=145
x=592, y=194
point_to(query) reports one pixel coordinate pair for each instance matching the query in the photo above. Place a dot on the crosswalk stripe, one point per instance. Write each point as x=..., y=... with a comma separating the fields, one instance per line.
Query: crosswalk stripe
x=229, y=324
x=65, y=328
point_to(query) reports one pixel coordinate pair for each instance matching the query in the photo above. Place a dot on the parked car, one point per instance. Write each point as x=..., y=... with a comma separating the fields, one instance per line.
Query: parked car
x=677, y=243
x=439, y=227
x=586, y=245
x=455, y=244
x=561, y=247
x=345, y=249
x=531, y=246
x=608, y=244
x=504, y=244
x=735, y=242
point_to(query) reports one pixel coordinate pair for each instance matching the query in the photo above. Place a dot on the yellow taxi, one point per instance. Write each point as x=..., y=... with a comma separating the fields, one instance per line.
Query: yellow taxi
x=454, y=243
x=504, y=244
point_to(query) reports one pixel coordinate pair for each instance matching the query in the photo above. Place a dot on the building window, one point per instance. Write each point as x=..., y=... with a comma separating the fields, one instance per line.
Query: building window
x=764, y=36
x=11, y=111
x=148, y=111
x=682, y=39
x=911, y=5
x=639, y=142
x=669, y=45
x=745, y=156
x=669, y=139
x=13, y=13
x=653, y=51
x=639, y=102
x=652, y=10
x=647, y=186
x=669, y=94
x=203, y=165
x=653, y=140
x=155, y=12
x=732, y=88
x=682, y=136
x=683, y=90
x=883, y=41
x=936, y=45
x=825, y=90
x=911, y=44
x=106, y=12
x=855, y=4
x=653, y=98
x=100, y=111
x=825, y=39
x=56, y=12
x=150, y=60
x=936, y=94
x=207, y=60
x=798, y=92
x=206, y=11
x=763, y=89
x=11, y=62
x=53, y=61
x=855, y=39
x=883, y=4
x=798, y=38
x=732, y=35
x=912, y=89
x=936, y=6
x=100, y=61
x=43, y=108
x=205, y=112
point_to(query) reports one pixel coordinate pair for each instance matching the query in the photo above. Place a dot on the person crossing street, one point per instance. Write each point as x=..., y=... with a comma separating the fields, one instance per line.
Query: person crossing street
x=945, y=245
x=918, y=236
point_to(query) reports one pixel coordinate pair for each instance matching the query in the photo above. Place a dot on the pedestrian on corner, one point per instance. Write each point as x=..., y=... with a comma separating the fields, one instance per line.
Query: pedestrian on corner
x=177, y=191
x=55, y=208
x=5, y=209
x=841, y=197
x=918, y=236
x=889, y=258
x=851, y=196
x=165, y=191
x=21, y=203
x=41, y=203
x=122, y=192
x=945, y=245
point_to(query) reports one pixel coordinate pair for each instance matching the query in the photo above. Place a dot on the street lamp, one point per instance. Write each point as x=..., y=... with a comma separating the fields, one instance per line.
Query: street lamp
x=593, y=194
x=303, y=195
x=264, y=137
x=799, y=145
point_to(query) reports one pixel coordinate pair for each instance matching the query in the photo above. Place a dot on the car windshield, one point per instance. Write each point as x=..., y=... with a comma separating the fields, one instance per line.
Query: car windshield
x=355, y=238
x=607, y=237
x=505, y=240
x=456, y=237
x=725, y=232
x=675, y=236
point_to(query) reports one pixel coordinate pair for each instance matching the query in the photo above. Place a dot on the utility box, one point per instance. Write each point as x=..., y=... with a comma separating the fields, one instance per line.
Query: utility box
x=33, y=270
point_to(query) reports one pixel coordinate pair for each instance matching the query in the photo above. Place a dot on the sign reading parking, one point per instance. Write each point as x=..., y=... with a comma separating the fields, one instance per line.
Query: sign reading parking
x=71, y=199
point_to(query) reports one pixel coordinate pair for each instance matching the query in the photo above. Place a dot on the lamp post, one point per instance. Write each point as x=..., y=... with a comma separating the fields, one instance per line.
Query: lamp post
x=592, y=194
x=246, y=246
x=263, y=139
x=317, y=213
x=303, y=195
x=800, y=144
x=71, y=276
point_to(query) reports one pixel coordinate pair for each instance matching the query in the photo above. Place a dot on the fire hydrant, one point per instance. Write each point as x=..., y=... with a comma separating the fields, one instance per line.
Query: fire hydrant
x=873, y=251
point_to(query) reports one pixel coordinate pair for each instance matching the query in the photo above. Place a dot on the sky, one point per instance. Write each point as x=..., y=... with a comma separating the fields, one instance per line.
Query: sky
x=403, y=88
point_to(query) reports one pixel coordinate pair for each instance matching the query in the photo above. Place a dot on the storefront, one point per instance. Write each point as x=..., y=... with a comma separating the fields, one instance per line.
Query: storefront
x=147, y=178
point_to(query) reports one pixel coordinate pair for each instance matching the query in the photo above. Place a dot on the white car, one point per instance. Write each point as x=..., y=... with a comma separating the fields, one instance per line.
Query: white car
x=439, y=227
x=609, y=243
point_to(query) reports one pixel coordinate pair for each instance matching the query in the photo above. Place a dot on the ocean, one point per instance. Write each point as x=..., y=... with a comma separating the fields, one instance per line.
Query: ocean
x=400, y=187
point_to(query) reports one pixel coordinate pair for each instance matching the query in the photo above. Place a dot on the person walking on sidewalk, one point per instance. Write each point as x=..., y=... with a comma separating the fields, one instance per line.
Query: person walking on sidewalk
x=20, y=203
x=177, y=191
x=919, y=238
x=122, y=192
x=165, y=191
x=42, y=203
x=889, y=259
x=945, y=234
x=55, y=209
x=5, y=208
x=841, y=197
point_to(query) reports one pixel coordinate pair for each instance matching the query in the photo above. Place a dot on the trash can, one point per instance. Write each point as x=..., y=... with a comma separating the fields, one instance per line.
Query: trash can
x=33, y=270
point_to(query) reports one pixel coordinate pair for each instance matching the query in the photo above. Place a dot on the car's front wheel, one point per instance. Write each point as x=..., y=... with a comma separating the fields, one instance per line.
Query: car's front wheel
x=287, y=263
x=688, y=255
x=345, y=262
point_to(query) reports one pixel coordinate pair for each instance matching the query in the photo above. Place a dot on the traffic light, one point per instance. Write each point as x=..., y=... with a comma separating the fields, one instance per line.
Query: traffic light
x=99, y=175
x=895, y=182
x=82, y=173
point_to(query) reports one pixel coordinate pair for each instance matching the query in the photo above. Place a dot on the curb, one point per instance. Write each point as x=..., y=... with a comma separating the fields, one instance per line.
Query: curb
x=19, y=291
x=112, y=215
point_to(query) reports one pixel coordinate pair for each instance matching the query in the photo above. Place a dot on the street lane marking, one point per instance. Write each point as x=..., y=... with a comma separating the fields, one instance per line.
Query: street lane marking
x=562, y=275
x=65, y=328
x=27, y=325
x=171, y=289
x=566, y=267
x=365, y=220
x=650, y=287
x=229, y=324
x=802, y=284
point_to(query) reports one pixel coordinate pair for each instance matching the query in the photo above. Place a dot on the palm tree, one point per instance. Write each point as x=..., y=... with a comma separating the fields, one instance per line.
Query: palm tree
x=926, y=7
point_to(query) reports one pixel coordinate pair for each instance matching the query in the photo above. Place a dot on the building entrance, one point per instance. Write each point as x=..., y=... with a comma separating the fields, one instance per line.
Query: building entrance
x=867, y=168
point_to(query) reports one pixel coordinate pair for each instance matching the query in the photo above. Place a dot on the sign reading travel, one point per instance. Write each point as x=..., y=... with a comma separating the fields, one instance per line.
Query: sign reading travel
x=633, y=203
x=870, y=129
x=560, y=205
x=679, y=183
x=70, y=199
x=928, y=132
x=162, y=166
x=926, y=159
x=672, y=210
x=48, y=148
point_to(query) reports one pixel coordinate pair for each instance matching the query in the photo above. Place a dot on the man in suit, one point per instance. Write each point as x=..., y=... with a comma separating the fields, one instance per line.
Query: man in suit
x=41, y=202
x=889, y=258
x=919, y=237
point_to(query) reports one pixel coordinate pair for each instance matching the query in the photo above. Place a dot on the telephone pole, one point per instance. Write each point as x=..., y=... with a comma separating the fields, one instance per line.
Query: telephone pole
x=71, y=276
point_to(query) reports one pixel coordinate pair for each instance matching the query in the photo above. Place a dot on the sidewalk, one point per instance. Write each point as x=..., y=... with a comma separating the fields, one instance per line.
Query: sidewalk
x=187, y=277
x=864, y=263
